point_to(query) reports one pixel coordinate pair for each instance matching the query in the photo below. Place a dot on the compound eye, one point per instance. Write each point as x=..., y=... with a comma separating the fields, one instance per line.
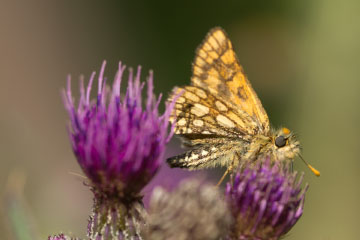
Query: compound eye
x=280, y=141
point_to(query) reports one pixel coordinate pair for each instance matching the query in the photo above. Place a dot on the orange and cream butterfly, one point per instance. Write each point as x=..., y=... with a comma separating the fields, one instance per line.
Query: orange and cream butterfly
x=220, y=116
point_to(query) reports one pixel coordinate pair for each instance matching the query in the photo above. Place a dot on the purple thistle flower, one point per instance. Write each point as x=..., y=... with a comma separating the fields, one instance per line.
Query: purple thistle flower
x=61, y=237
x=266, y=202
x=118, y=143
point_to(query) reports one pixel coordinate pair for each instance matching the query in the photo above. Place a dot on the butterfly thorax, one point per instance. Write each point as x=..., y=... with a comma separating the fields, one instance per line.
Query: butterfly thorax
x=279, y=145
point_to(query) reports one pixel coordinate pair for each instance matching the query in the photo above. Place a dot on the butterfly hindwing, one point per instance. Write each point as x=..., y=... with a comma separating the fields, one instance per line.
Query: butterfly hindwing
x=199, y=114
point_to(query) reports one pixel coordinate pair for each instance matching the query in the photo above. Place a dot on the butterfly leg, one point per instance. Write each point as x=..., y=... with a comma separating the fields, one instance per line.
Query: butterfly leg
x=223, y=177
x=228, y=170
x=232, y=175
x=235, y=164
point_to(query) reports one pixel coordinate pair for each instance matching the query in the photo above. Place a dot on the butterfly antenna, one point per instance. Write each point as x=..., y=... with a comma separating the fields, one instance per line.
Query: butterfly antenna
x=316, y=172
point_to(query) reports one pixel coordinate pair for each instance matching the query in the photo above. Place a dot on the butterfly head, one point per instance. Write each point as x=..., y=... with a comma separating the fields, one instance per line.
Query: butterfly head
x=286, y=146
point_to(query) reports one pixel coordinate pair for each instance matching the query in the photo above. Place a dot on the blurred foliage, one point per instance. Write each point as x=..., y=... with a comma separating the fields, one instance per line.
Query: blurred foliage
x=301, y=57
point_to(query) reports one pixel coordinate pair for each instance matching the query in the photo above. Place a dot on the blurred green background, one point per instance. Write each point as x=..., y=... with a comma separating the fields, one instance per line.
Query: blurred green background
x=302, y=57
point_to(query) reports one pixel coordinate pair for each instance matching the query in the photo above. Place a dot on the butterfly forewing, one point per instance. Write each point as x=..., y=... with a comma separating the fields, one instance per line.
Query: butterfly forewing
x=217, y=70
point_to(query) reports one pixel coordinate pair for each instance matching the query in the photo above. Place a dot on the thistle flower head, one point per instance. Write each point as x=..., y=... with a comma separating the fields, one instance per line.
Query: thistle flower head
x=266, y=201
x=61, y=236
x=194, y=210
x=118, y=142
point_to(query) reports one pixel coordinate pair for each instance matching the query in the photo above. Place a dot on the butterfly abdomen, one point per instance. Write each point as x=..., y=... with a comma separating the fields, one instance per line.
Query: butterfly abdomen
x=193, y=159
x=177, y=161
x=207, y=156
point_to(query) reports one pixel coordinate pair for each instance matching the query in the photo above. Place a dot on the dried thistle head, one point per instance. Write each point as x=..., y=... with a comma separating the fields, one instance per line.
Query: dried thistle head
x=194, y=210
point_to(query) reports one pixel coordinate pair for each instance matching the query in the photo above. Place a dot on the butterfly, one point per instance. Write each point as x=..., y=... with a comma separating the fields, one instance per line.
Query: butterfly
x=220, y=116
